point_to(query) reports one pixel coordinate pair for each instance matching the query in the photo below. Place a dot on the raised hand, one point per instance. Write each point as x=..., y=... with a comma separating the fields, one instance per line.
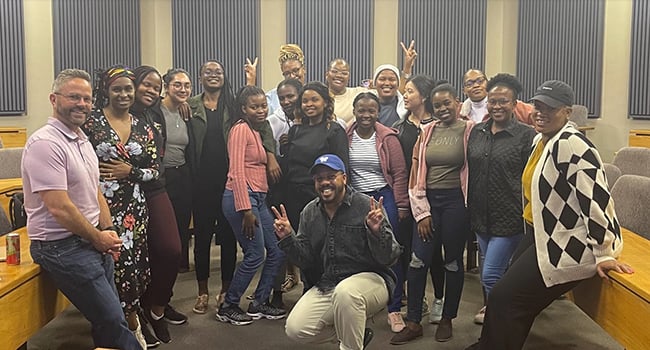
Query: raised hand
x=375, y=215
x=250, y=68
x=409, y=56
x=281, y=224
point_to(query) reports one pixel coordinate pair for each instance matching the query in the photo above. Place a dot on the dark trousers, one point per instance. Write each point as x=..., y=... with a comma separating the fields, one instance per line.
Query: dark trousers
x=450, y=222
x=517, y=299
x=207, y=209
x=179, y=189
x=164, y=250
x=297, y=196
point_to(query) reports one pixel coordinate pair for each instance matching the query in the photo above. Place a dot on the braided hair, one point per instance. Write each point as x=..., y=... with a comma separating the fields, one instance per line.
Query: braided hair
x=291, y=52
x=226, y=97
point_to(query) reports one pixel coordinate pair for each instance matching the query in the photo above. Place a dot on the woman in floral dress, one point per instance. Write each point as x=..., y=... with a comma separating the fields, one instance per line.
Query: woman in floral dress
x=127, y=154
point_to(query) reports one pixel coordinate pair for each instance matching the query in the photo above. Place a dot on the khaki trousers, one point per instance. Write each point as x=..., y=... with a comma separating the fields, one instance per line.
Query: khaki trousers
x=340, y=314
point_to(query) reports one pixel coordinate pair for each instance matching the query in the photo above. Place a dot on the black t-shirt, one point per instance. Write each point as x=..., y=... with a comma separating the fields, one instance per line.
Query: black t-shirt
x=408, y=135
x=214, y=160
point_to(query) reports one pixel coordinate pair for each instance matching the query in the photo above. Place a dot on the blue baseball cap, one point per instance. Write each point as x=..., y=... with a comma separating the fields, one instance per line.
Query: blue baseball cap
x=331, y=161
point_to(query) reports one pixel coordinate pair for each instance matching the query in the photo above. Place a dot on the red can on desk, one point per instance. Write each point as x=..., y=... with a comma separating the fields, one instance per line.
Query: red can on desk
x=13, y=249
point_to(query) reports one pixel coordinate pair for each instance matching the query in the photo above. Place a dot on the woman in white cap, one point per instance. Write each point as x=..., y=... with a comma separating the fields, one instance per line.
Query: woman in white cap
x=387, y=81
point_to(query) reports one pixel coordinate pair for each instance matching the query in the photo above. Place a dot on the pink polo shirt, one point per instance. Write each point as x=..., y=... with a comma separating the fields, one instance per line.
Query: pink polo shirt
x=57, y=158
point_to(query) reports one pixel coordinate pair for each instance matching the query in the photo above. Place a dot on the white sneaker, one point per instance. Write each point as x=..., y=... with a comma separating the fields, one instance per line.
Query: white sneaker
x=480, y=316
x=139, y=336
x=396, y=321
x=436, y=311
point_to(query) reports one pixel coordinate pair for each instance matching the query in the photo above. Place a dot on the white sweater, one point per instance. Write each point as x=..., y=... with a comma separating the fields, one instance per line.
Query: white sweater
x=573, y=212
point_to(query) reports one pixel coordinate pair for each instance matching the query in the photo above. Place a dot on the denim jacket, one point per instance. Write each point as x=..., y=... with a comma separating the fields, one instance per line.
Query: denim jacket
x=342, y=246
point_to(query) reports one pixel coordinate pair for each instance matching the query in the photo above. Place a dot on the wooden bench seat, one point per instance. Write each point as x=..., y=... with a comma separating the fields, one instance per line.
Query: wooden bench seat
x=622, y=305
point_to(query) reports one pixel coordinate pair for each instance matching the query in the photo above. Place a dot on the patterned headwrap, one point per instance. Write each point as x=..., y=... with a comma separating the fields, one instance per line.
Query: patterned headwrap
x=104, y=79
x=291, y=52
x=115, y=73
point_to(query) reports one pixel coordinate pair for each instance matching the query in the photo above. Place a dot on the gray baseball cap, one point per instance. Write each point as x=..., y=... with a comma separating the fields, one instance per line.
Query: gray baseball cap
x=554, y=93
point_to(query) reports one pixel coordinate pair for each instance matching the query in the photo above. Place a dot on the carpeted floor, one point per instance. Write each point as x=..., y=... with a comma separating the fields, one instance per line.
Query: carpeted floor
x=561, y=326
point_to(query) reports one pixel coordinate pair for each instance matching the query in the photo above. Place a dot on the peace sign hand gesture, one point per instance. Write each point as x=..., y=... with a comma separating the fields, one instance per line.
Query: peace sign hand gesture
x=250, y=68
x=409, y=56
x=375, y=215
x=281, y=224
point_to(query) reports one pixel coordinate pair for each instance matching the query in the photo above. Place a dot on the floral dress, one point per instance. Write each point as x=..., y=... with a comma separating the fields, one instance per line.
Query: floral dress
x=126, y=200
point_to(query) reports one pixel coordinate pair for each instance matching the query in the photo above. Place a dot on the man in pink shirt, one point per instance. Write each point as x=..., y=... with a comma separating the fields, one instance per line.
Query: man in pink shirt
x=68, y=220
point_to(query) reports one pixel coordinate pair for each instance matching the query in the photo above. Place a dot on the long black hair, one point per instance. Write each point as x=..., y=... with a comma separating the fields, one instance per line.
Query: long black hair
x=424, y=84
x=226, y=98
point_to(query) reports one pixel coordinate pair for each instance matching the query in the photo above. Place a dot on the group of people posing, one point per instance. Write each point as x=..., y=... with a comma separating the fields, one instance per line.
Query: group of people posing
x=360, y=193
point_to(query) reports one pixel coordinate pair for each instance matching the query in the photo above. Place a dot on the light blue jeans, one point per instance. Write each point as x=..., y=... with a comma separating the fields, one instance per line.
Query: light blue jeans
x=495, y=255
x=254, y=249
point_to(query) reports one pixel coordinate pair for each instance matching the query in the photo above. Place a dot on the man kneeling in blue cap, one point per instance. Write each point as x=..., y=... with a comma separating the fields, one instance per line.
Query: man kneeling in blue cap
x=345, y=235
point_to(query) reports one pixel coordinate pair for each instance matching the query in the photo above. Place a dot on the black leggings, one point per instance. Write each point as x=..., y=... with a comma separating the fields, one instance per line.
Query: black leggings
x=207, y=210
x=517, y=299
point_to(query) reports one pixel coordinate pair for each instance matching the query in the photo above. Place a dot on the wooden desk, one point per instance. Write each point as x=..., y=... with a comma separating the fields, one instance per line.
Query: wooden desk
x=584, y=129
x=622, y=305
x=28, y=299
x=13, y=136
x=639, y=138
x=8, y=186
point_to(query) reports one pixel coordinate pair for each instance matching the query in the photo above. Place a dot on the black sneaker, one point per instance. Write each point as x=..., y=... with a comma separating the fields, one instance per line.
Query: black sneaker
x=159, y=327
x=265, y=310
x=276, y=300
x=174, y=317
x=149, y=338
x=234, y=315
x=368, y=333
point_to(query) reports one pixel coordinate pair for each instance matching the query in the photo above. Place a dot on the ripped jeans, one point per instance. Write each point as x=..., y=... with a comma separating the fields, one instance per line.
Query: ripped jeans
x=451, y=226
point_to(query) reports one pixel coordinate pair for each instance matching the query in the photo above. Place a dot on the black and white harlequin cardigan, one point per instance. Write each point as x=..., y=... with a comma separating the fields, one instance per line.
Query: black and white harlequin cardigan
x=573, y=213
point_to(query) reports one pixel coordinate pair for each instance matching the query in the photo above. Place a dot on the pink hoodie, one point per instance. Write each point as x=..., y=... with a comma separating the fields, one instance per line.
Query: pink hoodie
x=392, y=161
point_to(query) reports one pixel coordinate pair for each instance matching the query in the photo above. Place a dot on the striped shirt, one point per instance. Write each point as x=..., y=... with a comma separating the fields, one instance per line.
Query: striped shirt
x=365, y=169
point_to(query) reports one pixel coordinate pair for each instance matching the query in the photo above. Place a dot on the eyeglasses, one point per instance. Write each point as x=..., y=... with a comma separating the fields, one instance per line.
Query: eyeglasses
x=342, y=72
x=211, y=73
x=74, y=98
x=470, y=83
x=328, y=178
x=502, y=102
x=294, y=72
x=178, y=85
